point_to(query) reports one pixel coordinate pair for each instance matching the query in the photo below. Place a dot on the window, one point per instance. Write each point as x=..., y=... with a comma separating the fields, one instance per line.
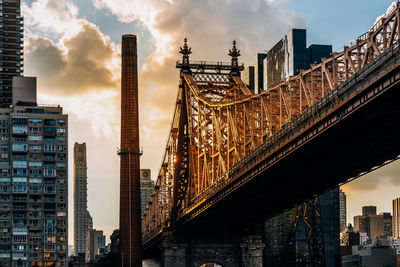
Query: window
x=61, y=164
x=35, y=147
x=35, y=164
x=49, y=130
x=35, y=120
x=19, y=189
x=35, y=180
x=19, y=180
x=20, y=129
x=49, y=173
x=19, y=120
x=3, y=138
x=49, y=148
x=19, y=164
x=35, y=138
x=35, y=129
x=61, y=122
x=19, y=172
x=19, y=147
x=61, y=148
x=61, y=130
x=49, y=122
x=35, y=188
x=5, y=180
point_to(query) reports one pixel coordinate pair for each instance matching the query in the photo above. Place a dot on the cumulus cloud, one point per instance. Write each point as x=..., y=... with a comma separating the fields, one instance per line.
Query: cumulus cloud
x=46, y=17
x=76, y=64
x=387, y=176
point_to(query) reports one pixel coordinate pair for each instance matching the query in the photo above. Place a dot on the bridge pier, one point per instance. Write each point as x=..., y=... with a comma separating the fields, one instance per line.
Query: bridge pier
x=227, y=251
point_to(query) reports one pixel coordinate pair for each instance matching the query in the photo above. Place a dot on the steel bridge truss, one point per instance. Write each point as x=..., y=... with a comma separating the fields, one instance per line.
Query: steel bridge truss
x=218, y=121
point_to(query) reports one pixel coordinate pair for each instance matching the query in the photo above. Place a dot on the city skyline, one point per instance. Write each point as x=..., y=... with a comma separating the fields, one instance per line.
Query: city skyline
x=54, y=52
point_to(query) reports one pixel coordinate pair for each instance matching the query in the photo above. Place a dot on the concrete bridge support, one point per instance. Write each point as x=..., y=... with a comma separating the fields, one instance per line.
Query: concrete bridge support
x=230, y=251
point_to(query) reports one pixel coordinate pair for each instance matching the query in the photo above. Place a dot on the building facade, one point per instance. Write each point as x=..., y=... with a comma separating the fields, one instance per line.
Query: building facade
x=146, y=188
x=248, y=77
x=290, y=55
x=396, y=217
x=12, y=47
x=277, y=233
x=369, y=210
x=80, y=199
x=342, y=210
x=33, y=185
x=97, y=243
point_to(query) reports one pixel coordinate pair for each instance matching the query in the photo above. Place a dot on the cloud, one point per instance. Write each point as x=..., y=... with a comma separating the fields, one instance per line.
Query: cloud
x=386, y=176
x=76, y=64
x=49, y=17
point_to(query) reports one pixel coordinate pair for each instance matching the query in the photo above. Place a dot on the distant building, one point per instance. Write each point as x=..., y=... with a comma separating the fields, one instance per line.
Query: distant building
x=369, y=210
x=342, y=209
x=259, y=73
x=80, y=199
x=370, y=256
x=360, y=224
x=290, y=55
x=12, y=48
x=277, y=232
x=146, y=187
x=97, y=244
x=396, y=217
x=248, y=78
x=387, y=224
x=372, y=224
x=89, y=230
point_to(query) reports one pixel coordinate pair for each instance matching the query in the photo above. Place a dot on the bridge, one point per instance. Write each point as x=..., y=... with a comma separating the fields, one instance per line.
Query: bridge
x=234, y=158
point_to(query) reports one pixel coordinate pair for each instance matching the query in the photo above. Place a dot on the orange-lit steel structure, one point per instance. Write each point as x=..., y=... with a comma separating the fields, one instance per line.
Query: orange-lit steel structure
x=218, y=121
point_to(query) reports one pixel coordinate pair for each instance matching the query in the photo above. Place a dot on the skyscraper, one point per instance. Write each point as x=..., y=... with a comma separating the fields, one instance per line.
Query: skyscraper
x=248, y=78
x=11, y=52
x=369, y=210
x=130, y=223
x=80, y=199
x=396, y=217
x=146, y=187
x=290, y=55
x=343, y=210
x=33, y=183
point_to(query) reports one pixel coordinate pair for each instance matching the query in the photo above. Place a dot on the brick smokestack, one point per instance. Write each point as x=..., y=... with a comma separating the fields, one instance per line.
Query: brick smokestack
x=129, y=213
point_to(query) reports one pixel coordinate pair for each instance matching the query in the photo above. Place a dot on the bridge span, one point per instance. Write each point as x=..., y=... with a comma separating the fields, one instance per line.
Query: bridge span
x=234, y=158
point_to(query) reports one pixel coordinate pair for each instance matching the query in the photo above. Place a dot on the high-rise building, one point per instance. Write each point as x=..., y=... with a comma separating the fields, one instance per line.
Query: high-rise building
x=396, y=217
x=80, y=199
x=33, y=182
x=277, y=232
x=342, y=209
x=97, y=243
x=89, y=229
x=259, y=73
x=11, y=52
x=387, y=224
x=129, y=208
x=290, y=55
x=146, y=187
x=360, y=224
x=369, y=210
x=248, y=78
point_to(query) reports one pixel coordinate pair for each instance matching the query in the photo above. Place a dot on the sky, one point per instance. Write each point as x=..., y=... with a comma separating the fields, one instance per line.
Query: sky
x=73, y=47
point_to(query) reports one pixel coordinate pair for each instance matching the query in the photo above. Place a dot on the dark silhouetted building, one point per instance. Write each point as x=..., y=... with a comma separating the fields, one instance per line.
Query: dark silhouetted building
x=369, y=210
x=248, y=78
x=259, y=72
x=342, y=209
x=80, y=200
x=396, y=217
x=12, y=48
x=290, y=55
x=370, y=256
x=387, y=224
